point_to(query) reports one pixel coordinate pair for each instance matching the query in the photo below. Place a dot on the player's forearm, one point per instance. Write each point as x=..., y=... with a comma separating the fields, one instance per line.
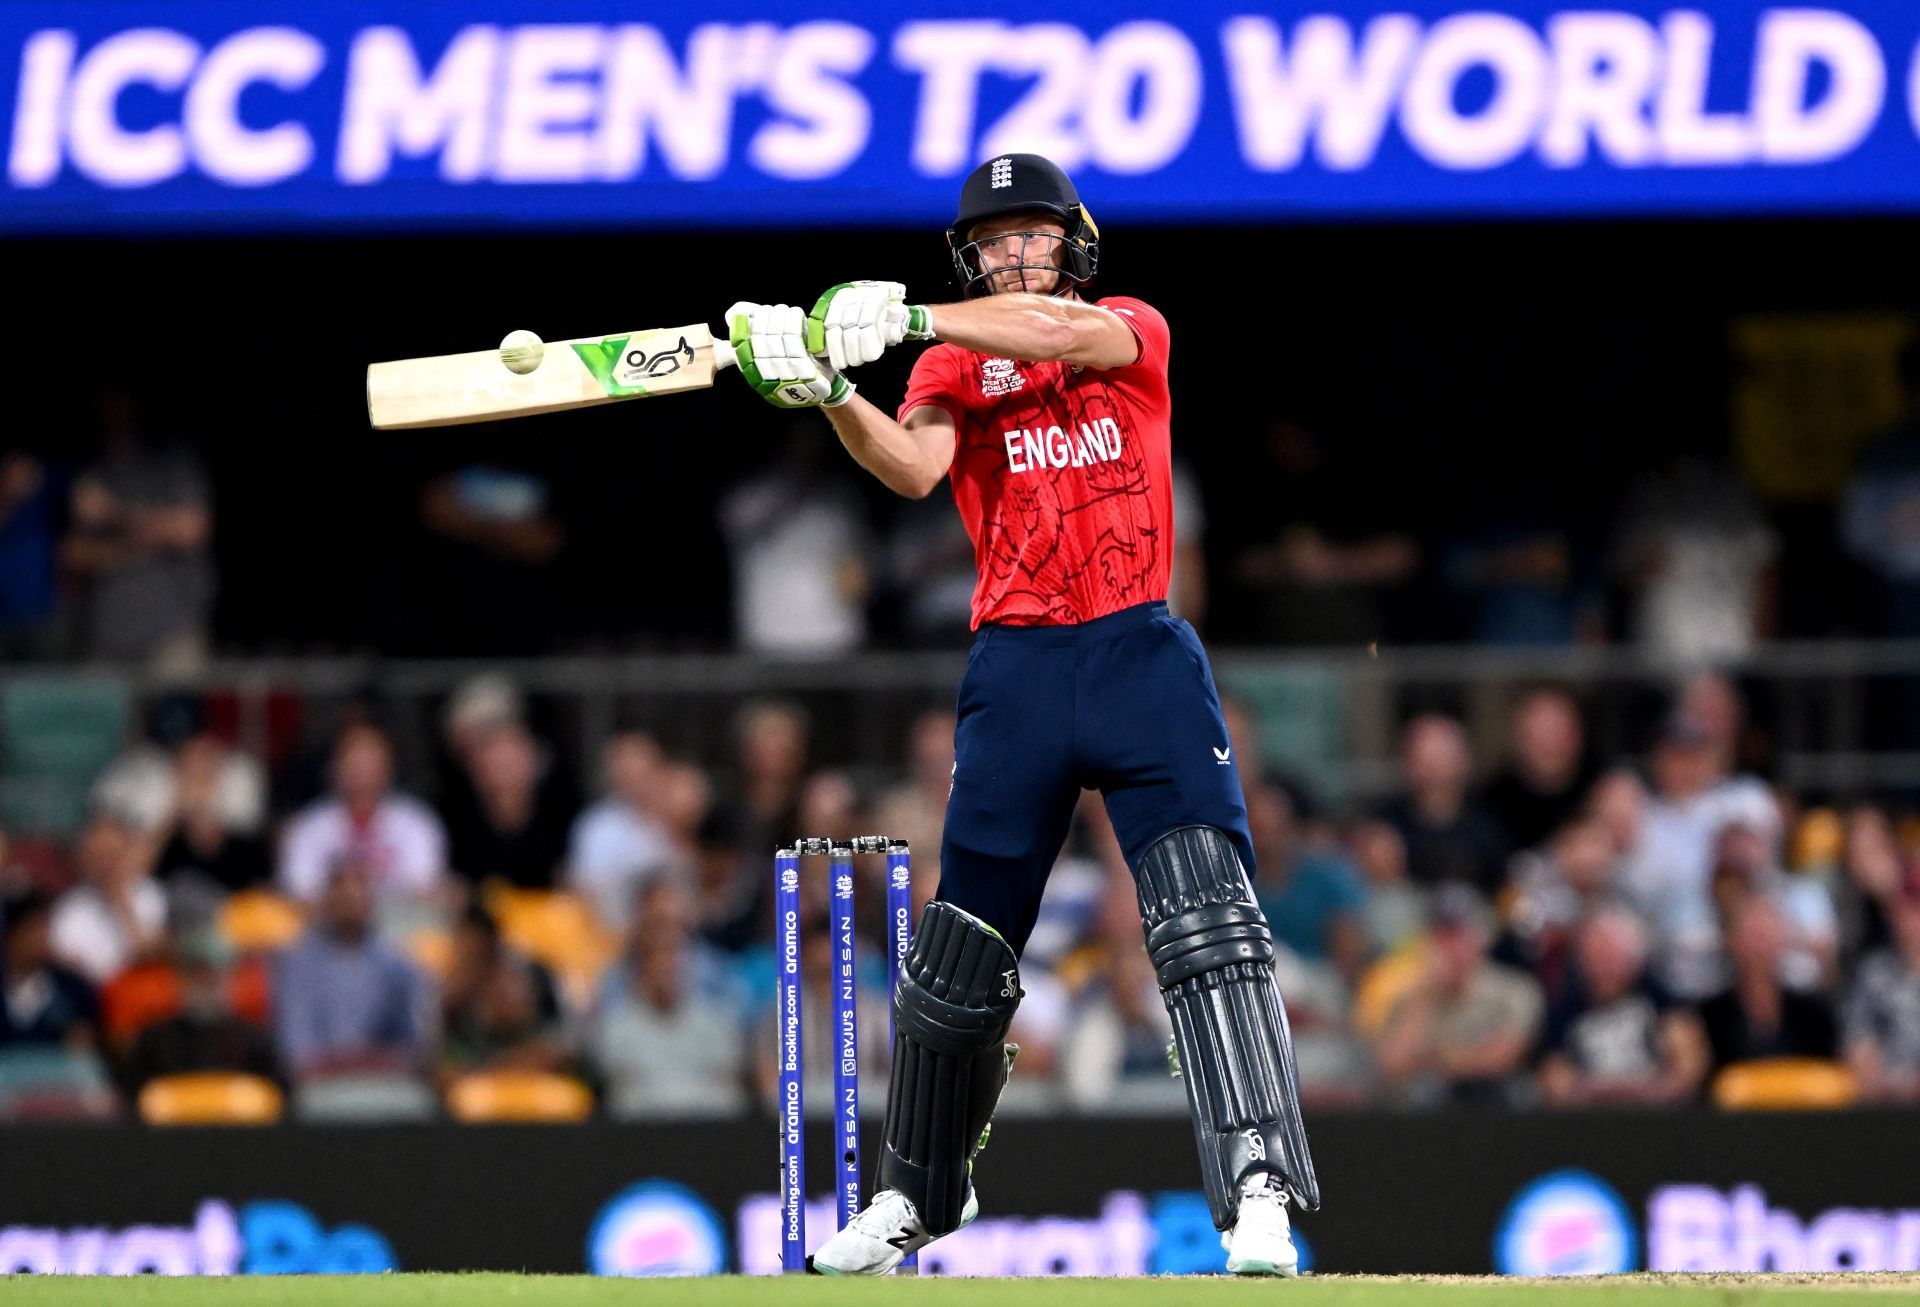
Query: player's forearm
x=885, y=448
x=1036, y=328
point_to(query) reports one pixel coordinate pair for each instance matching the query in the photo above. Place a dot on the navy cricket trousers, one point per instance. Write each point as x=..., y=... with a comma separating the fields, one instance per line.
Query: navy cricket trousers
x=1124, y=704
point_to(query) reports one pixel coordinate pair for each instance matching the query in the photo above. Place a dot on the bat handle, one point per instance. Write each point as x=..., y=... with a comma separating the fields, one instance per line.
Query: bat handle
x=723, y=354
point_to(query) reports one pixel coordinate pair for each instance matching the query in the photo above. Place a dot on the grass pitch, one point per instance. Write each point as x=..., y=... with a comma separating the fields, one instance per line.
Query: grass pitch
x=749, y=1291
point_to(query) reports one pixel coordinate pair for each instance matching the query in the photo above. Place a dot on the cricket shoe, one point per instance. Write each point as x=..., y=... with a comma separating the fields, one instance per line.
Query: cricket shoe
x=880, y=1238
x=1261, y=1241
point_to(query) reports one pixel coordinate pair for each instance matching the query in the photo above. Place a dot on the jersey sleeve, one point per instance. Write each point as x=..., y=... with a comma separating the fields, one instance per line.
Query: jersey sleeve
x=936, y=380
x=1148, y=327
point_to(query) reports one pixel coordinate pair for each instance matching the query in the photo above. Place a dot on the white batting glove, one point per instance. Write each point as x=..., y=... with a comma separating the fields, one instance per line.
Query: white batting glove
x=856, y=321
x=770, y=344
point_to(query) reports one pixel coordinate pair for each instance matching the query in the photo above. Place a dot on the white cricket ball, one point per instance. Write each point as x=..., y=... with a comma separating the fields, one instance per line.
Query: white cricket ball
x=521, y=352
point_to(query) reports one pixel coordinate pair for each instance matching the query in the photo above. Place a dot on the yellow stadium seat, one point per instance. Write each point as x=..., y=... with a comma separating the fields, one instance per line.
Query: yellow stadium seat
x=210, y=1098
x=1785, y=1084
x=559, y=931
x=1818, y=841
x=1381, y=988
x=518, y=1096
x=256, y=921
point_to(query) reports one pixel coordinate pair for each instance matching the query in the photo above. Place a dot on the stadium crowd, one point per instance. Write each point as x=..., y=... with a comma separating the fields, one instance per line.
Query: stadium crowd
x=1544, y=927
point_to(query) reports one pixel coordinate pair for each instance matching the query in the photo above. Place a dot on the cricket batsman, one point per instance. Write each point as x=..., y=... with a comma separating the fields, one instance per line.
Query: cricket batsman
x=1050, y=414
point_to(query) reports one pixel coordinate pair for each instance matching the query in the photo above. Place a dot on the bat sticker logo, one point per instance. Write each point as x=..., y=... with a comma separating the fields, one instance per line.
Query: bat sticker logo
x=664, y=364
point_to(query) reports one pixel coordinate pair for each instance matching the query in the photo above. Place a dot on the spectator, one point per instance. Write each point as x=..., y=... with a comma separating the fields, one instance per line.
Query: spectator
x=1875, y=873
x=1519, y=580
x=1697, y=552
x=498, y=1010
x=1758, y=1017
x=931, y=573
x=1618, y=805
x=1394, y=911
x=495, y=540
x=1089, y=875
x=395, y=840
x=730, y=889
x=1117, y=1036
x=1463, y=1031
x=1547, y=776
x=342, y=1000
x=1322, y=555
x=1672, y=882
x=798, y=544
x=42, y=1003
x=1710, y=700
x=1449, y=836
x=116, y=913
x=210, y=852
x=28, y=576
x=829, y=806
x=1187, y=587
x=477, y=707
x=1311, y=897
x=764, y=802
x=1744, y=866
x=1554, y=890
x=619, y=843
x=516, y=831
x=141, y=786
x=818, y=981
x=1883, y=1010
x=206, y=1034
x=1615, y=1036
x=916, y=811
x=666, y=1035
x=142, y=527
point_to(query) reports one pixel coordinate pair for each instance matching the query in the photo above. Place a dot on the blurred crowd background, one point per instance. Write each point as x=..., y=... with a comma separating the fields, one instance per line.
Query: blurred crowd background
x=379, y=931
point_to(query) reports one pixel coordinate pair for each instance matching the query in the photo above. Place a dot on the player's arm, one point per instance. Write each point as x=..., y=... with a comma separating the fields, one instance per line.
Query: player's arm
x=855, y=321
x=909, y=458
x=776, y=351
x=1039, y=328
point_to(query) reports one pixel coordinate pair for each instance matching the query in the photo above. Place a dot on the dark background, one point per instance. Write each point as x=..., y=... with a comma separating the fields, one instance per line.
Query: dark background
x=1455, y=372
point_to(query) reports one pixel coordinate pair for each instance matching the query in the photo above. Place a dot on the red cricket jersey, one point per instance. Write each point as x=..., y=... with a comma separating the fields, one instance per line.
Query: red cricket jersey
x=1063, y=475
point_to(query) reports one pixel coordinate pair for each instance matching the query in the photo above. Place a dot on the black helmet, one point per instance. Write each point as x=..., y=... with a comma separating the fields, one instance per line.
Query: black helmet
x=1022, y=183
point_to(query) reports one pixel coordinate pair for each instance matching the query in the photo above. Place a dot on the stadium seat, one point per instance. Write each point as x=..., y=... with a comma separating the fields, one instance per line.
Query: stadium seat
x=518, y=1096
x=1381, y=988
x=53, y=1084
x=258, y=921
x=210, y=1098
x=559, y=931
x=1819, y=841
x=364, y=1099
x=1785, y=1084
x=56, y=736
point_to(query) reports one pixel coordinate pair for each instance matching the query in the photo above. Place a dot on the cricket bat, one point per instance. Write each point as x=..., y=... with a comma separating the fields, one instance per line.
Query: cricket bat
x=451, y=389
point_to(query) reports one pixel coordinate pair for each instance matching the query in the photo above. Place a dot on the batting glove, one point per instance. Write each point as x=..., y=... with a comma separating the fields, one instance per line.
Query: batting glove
x=855, y=322
x=770, y=344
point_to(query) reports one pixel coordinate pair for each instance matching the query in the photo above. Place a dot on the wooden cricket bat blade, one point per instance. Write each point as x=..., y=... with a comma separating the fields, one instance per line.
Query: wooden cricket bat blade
x=451, y=389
